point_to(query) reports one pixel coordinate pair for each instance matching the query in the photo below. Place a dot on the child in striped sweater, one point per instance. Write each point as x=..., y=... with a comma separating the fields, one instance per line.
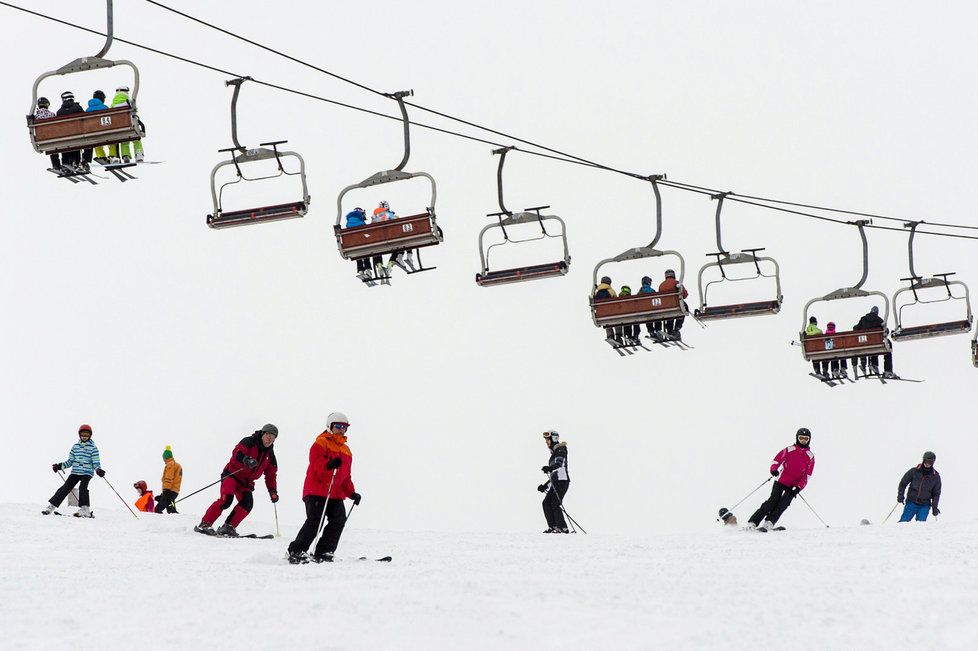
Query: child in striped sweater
x=84, y=463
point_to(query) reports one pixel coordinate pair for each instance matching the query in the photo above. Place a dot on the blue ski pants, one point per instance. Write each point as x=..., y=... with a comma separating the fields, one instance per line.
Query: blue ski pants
x=912, y=509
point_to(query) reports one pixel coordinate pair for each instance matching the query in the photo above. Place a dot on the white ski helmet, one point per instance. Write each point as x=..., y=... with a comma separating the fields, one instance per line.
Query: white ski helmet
x=336, y=417
x=552, y=435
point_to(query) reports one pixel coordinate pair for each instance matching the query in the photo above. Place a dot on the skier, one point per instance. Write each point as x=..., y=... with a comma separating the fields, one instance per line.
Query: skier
x=121, y=98
x=84, y=462
x=670, y=286
x=728, y=518
x=43, y=112
x=97, y=103
x=556, y=487
x=797, y=464
x=873, y=321
x=924, y=492
x=251, y=458
x=172, y=478
x=605, y=290
x=71, y=159
x=647, y=289
x=629, y=332
x=840, y=367
x=145, y=501
x=328, y=483
x=812, y=330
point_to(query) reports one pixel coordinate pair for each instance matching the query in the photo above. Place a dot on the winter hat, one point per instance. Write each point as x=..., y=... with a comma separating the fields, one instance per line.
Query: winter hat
x=336, y=417
x=384, y=205
x=670, y=273
x=140, y=486
x=874, y=310
x=122, y=89
x=625, y=290
x=830, y=327
x=167, y=453
x=43, y=102
x=646, y=280
x=930, y=456
x=606, y=280
x=67, y=96
x=813, y=320
x=99, y=95
x=85, y=428
x=359, y=210
x=268, y=428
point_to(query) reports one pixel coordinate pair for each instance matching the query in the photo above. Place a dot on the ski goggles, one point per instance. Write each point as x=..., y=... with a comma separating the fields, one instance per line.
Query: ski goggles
x=341, y=425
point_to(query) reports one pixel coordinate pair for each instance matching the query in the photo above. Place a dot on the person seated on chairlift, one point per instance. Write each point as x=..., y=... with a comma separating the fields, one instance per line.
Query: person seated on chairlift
x=839, y=367
x=354, y=218
x=121, y=98
x=647, y=289
x=605, y=290
x=812, y=330
x=629, y=332
x=71, y=159
x=873, y=321
x=43, y=112
x=383, y=213
x=670, y=286
x=97, y=103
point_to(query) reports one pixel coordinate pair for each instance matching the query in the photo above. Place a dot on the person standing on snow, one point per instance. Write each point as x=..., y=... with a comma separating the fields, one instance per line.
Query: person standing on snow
x=924, y=483
x=797, y=463
x=84, y=463
x=145, y=500
x=556, y=487
x=253, y=457
x=328, y=483
x=172, y=478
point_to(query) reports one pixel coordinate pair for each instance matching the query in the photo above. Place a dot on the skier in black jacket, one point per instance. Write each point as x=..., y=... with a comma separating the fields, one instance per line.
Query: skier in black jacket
x=71, y=159
x=924, y=490
x=873, y=321
x=558, y=484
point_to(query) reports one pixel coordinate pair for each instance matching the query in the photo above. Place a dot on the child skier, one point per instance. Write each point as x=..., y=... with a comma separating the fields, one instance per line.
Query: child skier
x=121, y=98
x=84, y=462
x=251, y=458
x=797, y=464
x=557, y=485
x=42, y=112
x=812, y=330
x=172, y=478
x=328, y=483
x=839, y=367
x=924, y=483
x=145, y=500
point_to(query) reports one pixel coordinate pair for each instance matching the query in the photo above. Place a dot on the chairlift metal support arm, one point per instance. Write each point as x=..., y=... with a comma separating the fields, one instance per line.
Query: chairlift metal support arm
x=234, y=110
x=719, y=198
x=399, y=98
x=502, y=151
x=861, y=225
x=108, y=30
x=654, y=179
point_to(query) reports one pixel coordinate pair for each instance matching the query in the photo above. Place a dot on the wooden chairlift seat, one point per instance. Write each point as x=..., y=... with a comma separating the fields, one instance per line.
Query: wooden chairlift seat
x=84, y=130
x=757, y=308
x=229, y=219
x=520, y=274
x=843, y=345
x=637, y=308
x=399, y=234
x=909, y=333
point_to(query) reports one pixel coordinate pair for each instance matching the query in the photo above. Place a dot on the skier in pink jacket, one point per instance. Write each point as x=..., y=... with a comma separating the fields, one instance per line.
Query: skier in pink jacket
x=796, y=463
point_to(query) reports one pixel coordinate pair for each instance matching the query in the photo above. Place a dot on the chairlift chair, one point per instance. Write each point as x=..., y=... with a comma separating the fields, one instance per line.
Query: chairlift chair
x=853, y=343
x=917, y=283
x=86, y=130
x=640, y=308
x=489, y=278
x=724, y=258
x=412, y=232
x=974, y=350
x=221, y=218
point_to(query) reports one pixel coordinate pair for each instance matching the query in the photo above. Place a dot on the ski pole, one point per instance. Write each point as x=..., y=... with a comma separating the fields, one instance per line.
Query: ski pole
x=354, y=505
x=120, y=497
x=751, y=493
x=890, y=513
x=63, y=478
x=813, y=510
x=550, y=487
x=208, y=485
x=560, y=501
x=322, y=518
x=278, y=534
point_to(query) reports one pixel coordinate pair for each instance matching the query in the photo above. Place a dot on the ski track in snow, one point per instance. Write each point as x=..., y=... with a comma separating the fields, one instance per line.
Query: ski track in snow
x=112, y=582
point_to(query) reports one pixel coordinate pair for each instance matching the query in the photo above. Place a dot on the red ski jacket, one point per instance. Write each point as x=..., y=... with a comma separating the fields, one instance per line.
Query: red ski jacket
x=326, y=447
x=669, y=286
x=799, y=464
x=251, y=446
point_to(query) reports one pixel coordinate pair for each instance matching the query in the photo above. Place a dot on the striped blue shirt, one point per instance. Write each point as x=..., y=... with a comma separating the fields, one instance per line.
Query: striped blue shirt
x=83, y=458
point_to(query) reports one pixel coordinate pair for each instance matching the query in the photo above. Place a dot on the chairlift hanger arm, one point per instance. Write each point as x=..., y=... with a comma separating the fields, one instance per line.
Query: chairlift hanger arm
x=234, y=110
x=719, y=199
x=399, y=98
x=499, y=176
x=654, y=180
x=108, y=30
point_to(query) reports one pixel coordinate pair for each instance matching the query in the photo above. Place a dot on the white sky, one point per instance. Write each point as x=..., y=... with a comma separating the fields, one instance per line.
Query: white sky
x=123, y=310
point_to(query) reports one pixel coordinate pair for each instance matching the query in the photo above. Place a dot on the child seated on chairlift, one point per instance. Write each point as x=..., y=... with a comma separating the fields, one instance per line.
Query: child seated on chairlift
x=383, y=213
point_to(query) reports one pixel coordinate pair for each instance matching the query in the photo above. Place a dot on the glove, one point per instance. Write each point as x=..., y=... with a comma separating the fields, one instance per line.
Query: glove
x=100, y=472
x=935, y=510
x=542, y=488
x=249, y=462
x=546, y=469
x=55, y=467
x=274, y=497
x=900, y=499
x=356, y=499
x=795, y=491
x=775, y=473
x=334, y=463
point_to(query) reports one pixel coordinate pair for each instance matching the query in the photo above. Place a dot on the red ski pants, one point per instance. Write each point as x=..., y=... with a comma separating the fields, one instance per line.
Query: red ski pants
x=231, y=489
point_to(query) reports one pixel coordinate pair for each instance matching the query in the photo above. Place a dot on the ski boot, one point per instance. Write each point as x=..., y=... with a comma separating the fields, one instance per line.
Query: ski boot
x=126, y=160
x=298, y=558
x=49, y=509
x=227, y=530
x=889, y=375
x=326, y=557
x=84, y=512
x=550, y=530
x=139, y=157
x=205, y=529
x=766, y=526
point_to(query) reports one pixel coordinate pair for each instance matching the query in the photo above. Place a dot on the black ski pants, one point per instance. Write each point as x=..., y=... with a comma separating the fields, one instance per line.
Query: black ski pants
x=165, y=501
x=62, y=493
x=336, y=520
x=552, y=502
x=775, y=505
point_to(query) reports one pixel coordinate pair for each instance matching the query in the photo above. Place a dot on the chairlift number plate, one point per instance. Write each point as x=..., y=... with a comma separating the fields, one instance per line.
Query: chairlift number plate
x=407, y=228
x=656, y=302
x=863, y=339
x=105, y=121
x=829, y=344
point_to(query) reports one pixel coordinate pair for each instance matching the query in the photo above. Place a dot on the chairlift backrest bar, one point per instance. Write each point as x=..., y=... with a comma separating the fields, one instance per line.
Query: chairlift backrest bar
x=639, y=253
x=387, y=176
x=83, y=65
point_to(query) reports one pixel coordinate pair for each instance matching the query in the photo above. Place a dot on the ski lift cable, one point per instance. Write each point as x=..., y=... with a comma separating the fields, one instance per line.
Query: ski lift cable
x=557, y=155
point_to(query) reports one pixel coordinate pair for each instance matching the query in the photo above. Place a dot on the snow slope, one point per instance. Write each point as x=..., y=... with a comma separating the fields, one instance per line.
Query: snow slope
x=113, y=582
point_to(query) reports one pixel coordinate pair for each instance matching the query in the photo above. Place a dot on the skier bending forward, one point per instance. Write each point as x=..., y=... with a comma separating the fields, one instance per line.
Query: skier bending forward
x=797, y=464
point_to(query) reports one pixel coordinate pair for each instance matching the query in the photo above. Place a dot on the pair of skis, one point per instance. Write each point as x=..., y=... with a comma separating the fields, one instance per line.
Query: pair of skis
x=629, y=346
x=91, y=514
x=306, y=560
x=831, y=381
x=215, y=534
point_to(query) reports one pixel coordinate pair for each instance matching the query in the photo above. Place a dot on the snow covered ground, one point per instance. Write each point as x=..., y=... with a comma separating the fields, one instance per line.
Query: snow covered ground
x=112, y=583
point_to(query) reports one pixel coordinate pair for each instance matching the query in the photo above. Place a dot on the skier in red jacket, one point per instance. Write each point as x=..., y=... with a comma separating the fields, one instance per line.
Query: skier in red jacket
x=797, y=463
x=253, y=457
x=328, y=483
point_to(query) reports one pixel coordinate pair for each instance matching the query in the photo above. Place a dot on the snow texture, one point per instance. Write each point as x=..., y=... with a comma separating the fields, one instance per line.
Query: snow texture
x=113, y=582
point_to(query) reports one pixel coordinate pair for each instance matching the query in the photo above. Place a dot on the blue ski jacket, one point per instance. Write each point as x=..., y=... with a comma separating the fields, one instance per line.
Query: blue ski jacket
x=96, y=105
x=83, y=459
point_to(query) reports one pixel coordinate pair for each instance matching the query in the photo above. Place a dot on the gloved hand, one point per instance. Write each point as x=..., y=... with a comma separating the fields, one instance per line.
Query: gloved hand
x=273, y=496
x=250, y=462
x=900, y=499
x=542, y=488
x=775, y=473
x=334, y=463
x=935, y=510
x=55, y=467
x=100, y=472
x=356, y=499
x=795, y=491
x=546, y=469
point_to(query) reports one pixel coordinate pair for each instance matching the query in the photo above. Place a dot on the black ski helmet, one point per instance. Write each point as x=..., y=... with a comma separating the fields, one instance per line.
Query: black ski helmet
x=725, y=514
x=803, y=431
x=605, y=280
x=930, y=456
x=43, y=102
x=99, y=95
